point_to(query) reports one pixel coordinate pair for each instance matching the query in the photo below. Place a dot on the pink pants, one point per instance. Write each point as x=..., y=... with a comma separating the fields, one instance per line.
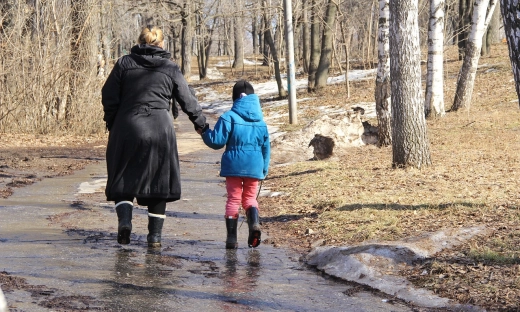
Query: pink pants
x=240, y=190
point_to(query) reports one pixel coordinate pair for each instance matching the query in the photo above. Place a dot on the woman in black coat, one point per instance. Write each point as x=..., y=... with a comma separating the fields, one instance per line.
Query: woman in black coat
x=142, y=159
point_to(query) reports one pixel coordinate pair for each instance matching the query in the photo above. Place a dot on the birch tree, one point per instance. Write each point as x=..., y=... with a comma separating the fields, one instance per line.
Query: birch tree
x=468, y=71
x=510, y=11
x=410, y=145
x=435, y=67
x=382, y=90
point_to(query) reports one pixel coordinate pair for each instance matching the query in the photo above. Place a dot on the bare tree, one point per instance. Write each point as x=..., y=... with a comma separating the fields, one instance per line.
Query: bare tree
x=492, y=34
x=322, y=73
x=187, y=37
x=305, y=36
x=510, y=12
x=272, y=48
x=468, y=71
x=435, y=65
x=49, y=84
x=382, y=90
x=410, y=145
x=205, y=32
x=315, y=47
x=465, y=9
x=238, y=60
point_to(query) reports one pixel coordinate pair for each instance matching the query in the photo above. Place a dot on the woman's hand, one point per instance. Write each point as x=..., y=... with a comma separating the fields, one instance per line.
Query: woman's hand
x=202, y=130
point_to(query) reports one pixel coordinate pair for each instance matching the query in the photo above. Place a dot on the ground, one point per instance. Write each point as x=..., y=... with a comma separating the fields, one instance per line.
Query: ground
x=357, y=196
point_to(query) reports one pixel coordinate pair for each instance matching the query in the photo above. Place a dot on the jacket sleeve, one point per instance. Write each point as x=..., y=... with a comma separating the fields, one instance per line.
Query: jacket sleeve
x=266, y=152
x=110, y=95
x=187, y=101
x=218, y=137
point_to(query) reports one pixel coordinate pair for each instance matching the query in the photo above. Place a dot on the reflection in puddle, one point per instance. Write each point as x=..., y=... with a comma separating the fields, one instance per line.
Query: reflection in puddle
x=239, y=278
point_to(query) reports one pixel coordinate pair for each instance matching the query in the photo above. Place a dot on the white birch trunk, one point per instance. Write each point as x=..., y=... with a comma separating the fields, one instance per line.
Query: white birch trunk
x=468, y=71
x=434, y=78
x=382, y=91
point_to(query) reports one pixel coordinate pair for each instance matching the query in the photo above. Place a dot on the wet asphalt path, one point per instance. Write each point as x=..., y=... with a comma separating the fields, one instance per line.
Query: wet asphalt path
x=65, y=244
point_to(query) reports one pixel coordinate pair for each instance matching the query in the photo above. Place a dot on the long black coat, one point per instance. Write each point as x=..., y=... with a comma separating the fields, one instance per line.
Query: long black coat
x=142, y=159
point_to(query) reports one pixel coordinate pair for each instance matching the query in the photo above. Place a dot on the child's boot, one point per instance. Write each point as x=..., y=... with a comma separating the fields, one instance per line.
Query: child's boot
x=253, y=221
x=124, y=217
x=232, y=226
x=155, y=225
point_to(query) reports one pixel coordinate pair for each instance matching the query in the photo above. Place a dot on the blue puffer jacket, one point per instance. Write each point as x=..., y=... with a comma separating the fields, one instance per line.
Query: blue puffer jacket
x=243, y=132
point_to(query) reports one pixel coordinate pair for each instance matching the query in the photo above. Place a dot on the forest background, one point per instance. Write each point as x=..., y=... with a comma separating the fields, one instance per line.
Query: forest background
x=55, y=55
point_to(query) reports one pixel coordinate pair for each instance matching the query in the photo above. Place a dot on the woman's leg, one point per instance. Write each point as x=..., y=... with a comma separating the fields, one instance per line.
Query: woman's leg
x=156, y=216
x=157, y=207
x=124, y=208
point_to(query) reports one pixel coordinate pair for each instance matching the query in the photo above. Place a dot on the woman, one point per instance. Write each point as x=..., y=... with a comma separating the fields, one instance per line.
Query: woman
x=142, y=159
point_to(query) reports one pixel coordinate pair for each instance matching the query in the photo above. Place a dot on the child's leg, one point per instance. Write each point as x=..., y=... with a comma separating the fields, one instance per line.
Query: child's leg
x=250, y=190
x=250, y=204
x=234, y=195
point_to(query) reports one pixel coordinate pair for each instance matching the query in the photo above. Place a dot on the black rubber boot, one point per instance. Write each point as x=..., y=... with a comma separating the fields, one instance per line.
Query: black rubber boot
x=155, y=225
x=124, y=216
x=253, y=221
x=231, y=226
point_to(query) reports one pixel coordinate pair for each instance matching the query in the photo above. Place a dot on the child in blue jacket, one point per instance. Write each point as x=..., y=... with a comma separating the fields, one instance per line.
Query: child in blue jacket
x=243, y=132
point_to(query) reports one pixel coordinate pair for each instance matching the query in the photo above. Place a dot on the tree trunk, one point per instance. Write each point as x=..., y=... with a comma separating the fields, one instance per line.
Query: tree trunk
x=174, y=45
x=315, y=48
x=509, y=12
x=278, y=41
x=382, y=90
x=238, y=60
x=346, y=41
x=254, y=34
x=305, y=37
x=492, y=35
x=322, y=73
x=435, y=66
x=370, y=22
x=465, y=7
x=187, y=35
x=267, y=28
x=261, y=40
x=410, y=145
x=468, y=71
x=281, y=91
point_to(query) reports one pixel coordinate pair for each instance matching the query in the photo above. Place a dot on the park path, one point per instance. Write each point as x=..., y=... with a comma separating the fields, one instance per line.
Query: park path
x=59, y=235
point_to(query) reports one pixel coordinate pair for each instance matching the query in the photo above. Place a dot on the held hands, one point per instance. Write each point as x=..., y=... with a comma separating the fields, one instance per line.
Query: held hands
x=200, y=131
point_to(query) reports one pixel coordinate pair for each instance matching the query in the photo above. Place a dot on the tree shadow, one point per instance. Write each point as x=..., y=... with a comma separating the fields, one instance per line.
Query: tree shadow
x=282, y=218
x=310, y=171
x=381, y=206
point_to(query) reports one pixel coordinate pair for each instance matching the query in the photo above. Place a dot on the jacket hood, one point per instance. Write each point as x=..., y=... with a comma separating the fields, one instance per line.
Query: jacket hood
x=248, y=108
x=149, y=55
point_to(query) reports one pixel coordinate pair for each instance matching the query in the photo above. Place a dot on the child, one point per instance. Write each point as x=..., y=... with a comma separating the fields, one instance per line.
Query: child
x=245, y=161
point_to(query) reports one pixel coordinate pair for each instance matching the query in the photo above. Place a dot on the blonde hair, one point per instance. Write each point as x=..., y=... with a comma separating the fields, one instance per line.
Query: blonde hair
x=151, y=37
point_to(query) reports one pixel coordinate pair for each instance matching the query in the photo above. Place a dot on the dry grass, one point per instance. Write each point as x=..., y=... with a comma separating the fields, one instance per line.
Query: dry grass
x=473, y=181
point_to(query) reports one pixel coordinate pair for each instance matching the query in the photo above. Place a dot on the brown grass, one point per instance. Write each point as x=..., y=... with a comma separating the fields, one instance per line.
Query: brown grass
x=473, y=181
